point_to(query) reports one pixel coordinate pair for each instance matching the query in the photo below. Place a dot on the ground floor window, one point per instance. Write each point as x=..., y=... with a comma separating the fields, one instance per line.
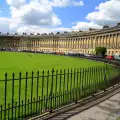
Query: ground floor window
x=112, y=52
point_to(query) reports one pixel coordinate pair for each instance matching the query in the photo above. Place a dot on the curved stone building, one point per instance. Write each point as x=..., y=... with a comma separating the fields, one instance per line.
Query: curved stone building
x=77, y=42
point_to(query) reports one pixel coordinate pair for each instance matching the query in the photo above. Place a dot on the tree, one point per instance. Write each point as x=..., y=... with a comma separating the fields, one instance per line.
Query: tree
x=93, y=52
x=100, y=51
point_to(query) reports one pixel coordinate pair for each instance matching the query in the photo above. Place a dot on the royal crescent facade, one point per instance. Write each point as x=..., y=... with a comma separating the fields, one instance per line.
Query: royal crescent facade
x=76, y=42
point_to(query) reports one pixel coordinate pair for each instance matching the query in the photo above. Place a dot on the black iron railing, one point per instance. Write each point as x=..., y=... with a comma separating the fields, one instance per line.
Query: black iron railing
x=36, y=93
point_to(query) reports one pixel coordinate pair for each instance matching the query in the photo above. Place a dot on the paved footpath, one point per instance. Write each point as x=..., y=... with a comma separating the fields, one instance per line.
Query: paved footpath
x=107, y=110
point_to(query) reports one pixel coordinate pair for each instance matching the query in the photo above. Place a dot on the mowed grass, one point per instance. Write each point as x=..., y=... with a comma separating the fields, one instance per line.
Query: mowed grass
x=32, y=94
x=21, y=62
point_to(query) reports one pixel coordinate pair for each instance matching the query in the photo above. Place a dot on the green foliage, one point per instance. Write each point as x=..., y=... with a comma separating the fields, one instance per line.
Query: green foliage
x=92, y=52
x=100, y=51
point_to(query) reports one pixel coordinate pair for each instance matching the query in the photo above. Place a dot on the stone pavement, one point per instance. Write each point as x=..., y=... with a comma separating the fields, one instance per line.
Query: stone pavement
x=104, y=106
x=107, y=110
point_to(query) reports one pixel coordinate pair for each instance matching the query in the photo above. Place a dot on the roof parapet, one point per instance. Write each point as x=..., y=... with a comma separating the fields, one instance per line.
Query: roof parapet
x=91, y=30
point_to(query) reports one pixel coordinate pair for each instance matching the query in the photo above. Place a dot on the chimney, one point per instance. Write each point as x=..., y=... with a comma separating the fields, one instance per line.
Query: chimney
x=105, y=26
x=118, y=24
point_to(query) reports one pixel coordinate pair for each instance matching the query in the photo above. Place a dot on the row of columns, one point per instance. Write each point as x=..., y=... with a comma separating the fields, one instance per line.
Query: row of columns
x=108, y=41
x=111, y=41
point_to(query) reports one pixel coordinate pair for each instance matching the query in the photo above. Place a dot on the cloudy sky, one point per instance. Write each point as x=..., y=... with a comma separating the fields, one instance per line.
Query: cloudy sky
x=44, y=16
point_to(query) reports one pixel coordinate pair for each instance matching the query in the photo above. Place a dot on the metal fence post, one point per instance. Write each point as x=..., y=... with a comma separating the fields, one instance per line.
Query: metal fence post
x=13, y=76
x=47, y=107
x=26, y=91
x=42, y=92
x=56, y=88
x=37, y=92
x=32, y=92
x=19, y=94
x=5, y=95
x=1, y=111
x=105, y=80
x=76, y=90
x=51, y=92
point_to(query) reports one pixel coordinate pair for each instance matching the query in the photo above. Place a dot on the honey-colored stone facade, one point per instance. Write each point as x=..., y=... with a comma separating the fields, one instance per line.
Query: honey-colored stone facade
x=76, y=42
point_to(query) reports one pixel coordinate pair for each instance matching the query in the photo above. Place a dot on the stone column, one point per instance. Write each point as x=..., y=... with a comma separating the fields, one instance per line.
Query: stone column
x=87, y=43
x=119, y=40
x=109, y=45
x=99, y=41
x=113, y=41
x=83, y=44
x=73, y=44
x=102, y=41
x=95, y=41
x=86, y=39
x=80, y=43
x=105, y=41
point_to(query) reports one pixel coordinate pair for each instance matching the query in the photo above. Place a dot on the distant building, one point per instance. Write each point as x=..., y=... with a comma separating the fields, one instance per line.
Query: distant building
x=78, y=42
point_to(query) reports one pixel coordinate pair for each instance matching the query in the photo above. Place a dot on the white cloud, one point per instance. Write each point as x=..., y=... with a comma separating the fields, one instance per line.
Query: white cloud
x=80, y=3
x=36, y=15
x=39, y=14
x=4, y=24
x=16, y=3
x=36, y=29
x=53, y=3
x=86, y=26
x=60, y=3
x=106, y=13
x=65, y=3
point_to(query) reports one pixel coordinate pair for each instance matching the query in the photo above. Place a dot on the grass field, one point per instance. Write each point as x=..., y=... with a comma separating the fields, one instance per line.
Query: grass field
x=21, y=62
x=28, y=88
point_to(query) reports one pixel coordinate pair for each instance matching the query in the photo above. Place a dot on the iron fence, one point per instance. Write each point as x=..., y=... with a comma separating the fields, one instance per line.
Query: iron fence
x=32, y=94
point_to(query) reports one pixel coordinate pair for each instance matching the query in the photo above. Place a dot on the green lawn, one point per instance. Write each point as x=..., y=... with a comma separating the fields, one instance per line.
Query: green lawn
x=89, y=80
x=20, y=62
